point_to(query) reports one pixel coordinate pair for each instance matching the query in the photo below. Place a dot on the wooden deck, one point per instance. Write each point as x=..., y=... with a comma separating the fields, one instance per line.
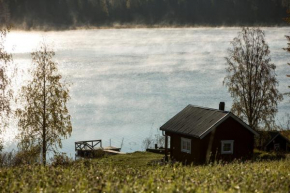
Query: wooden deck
x=112, y=152
x=94, y=148
x=87, y=145
x=112, y=148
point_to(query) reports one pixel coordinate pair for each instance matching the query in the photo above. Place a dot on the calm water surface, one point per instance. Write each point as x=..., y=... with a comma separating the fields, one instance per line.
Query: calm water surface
x=125, y=83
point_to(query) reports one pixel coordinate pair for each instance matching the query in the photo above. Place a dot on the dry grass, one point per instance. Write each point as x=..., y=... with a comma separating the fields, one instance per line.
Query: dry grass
x=132, y=173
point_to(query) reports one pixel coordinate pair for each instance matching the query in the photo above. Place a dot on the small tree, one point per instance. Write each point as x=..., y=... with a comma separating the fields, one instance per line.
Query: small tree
x=44, y=120
x=251, y=79
x=288, y=75
x=6, y=93
x=288, y=48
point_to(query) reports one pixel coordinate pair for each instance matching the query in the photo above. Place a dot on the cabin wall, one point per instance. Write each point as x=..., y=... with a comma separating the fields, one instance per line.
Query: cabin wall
x=209, y=148
x=230, y=129
x=178, y=155
x=278, y=140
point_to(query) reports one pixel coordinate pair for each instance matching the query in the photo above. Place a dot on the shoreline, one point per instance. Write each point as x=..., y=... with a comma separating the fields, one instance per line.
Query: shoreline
x=131, y=26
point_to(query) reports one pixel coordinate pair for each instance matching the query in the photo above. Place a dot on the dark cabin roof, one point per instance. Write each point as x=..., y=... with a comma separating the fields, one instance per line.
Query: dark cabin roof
x=198, y=121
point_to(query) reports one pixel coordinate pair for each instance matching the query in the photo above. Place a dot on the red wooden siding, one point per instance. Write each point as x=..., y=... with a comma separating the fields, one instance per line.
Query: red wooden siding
x=178, y=155
x=230, y=129
x=278, y=140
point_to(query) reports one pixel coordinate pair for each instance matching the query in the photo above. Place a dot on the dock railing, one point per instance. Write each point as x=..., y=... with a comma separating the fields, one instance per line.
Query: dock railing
x=93, y=149
x=87, y=145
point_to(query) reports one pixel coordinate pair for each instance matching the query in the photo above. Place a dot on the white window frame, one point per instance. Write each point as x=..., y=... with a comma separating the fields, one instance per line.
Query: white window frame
x=187, y=144
x=231, y=142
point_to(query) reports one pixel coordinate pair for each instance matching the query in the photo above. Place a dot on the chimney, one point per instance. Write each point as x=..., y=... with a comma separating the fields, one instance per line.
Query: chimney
x=222, y=106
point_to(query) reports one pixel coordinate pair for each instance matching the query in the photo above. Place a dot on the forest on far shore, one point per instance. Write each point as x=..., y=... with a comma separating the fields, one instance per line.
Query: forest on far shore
x=65, y=14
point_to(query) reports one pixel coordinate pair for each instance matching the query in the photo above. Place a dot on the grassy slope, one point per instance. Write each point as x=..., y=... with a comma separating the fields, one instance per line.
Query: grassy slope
x=131, y=173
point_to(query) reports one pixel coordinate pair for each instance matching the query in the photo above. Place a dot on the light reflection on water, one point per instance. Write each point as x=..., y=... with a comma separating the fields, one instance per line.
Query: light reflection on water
x=127, y=82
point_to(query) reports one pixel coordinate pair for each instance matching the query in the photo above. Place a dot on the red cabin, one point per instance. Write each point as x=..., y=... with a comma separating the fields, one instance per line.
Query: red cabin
x=200, y=135
x=274, y=141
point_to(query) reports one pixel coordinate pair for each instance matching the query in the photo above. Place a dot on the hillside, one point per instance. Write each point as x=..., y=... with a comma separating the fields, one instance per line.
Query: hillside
x=137, y=173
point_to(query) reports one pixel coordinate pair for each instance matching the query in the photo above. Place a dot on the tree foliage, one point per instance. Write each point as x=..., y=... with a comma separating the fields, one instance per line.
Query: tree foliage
x=44, y=120
x=4, y=13
x=75, y=13
x=6, y=92
x=251, y=79
x=288, y=48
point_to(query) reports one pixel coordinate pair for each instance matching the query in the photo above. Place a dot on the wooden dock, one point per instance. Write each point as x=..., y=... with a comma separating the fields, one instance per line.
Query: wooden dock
x=94, y=149
x=87, y=145
x=112, y=152
x=112, y=148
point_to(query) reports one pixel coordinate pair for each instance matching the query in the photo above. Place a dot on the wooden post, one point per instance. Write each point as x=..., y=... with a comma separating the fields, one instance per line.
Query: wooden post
x=166, y=147
x=171, y=149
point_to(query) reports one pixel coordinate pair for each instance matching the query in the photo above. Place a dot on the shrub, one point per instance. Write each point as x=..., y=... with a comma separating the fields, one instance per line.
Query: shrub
x=22, y=157
x=26, y=157
x=61, y=159
x=6, y=159
x=263, y=155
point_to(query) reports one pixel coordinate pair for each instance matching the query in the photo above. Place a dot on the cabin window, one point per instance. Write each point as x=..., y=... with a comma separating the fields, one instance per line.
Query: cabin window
x=276, y=146
x=185, y=145
x=227, y=147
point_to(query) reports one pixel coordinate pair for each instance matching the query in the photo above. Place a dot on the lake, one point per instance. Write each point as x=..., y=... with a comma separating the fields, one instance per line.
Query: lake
x=126, y=83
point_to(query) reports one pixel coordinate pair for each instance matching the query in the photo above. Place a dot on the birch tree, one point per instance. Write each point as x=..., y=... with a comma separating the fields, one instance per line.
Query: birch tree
x=251, y=79
x=44, y=120
x=288, y=48
x=6, y=92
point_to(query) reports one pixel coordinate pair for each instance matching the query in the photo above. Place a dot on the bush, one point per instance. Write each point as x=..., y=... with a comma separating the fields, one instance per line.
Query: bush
x=6, y=159
x=263, y=155
x=27, y=157
x=98, y=153
x=61, y=159
x=23, y=157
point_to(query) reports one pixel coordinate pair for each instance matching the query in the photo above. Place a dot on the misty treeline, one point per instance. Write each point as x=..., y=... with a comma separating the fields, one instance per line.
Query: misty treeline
x=29, y=14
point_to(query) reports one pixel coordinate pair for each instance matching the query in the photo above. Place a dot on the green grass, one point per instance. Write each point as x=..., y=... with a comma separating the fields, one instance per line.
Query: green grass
x=132, y=173
x=134, y=160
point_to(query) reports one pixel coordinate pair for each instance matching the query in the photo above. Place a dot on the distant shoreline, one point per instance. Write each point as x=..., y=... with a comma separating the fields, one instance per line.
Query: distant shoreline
x=132, y=26
x=59, y=15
